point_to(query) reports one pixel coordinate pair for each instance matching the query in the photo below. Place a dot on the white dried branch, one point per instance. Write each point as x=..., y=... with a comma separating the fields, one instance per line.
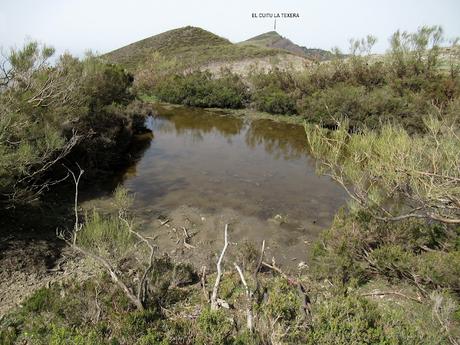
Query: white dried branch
x=215, y=290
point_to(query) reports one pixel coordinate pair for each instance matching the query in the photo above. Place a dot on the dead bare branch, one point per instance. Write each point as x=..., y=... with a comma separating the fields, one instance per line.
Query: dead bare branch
x=256, y=272
x=76, y=180
x=215, y=290
x=249, y=315
x=203, y=283
x=396, y=293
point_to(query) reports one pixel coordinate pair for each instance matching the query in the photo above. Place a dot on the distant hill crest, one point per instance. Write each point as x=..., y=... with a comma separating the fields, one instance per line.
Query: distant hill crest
x=273, y=39
x=196, y=47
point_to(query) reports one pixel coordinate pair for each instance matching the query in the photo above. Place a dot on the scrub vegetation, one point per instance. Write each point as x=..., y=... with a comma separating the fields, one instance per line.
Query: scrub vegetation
x=416, y=78
x=387, y=270
x=74, y=110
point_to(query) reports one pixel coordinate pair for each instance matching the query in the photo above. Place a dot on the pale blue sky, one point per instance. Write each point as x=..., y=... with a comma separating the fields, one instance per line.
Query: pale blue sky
x=103, y=25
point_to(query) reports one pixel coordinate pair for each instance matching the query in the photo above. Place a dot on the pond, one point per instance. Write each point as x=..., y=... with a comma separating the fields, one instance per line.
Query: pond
x=203, y=169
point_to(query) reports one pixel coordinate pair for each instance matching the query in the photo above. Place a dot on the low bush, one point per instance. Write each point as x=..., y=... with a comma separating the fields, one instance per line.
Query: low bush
x=283, y=301
x=214, y=328
x=275, y=101
x=201, y=89
x=356, y=249
x=272, y=91
x=347, y=320
x=352, y=319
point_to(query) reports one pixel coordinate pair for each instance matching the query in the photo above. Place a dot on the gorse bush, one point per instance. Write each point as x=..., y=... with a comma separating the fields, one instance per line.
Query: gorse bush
x=353, y=319
x=401, y=87
x=349, y=320
x=214, y=328
x=404, y=211
x=403, y=218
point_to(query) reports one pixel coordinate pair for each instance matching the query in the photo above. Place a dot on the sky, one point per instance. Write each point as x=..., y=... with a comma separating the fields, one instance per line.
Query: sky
x=77, y=26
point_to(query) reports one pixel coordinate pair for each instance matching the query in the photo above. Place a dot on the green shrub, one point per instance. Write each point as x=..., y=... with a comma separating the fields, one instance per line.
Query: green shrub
x=272, y=91
x=392, y=260
x=283, y=301
x=338, y=255
x=137, y=323
x=352, y=319
x=275, y=101
x=440, y=269
x=356, y=248
x=200, y=89
x=65, y=336
x=106, y=235
x=74, y=109
x=214, y=327
x=178, y=331
x=41, y=300
x=341, y=100
x=151, y=338
x=346, y=320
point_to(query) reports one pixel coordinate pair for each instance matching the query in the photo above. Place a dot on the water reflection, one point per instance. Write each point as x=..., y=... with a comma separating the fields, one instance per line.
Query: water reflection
x=214, y=161
x=195, y=122
x=280, y=140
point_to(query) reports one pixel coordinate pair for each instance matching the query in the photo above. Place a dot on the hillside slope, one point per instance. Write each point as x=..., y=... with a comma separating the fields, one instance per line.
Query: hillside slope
x=272, y=39
x=191, y=46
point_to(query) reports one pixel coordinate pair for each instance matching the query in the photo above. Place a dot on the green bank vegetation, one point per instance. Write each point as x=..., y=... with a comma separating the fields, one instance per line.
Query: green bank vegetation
x=415, y=78
x=386, y=272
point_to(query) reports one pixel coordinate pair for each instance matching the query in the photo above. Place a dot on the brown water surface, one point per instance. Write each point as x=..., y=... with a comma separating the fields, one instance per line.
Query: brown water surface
x=204, y=169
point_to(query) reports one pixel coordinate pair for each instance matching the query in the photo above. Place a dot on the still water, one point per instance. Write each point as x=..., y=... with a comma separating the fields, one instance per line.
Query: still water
x=207, y=168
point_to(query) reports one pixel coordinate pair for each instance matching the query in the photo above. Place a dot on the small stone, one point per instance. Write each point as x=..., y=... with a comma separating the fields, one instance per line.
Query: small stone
x=302, y=265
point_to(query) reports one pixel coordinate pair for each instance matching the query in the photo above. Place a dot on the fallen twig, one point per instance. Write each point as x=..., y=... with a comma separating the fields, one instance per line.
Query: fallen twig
x=164, y=222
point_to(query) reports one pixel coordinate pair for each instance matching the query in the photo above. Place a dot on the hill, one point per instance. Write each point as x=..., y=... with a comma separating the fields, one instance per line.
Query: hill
x=272, y=39
x=192, y=46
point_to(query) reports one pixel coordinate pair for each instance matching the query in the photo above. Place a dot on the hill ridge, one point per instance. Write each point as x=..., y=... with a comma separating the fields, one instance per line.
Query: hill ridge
x=195, y=47
x=272, y=39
